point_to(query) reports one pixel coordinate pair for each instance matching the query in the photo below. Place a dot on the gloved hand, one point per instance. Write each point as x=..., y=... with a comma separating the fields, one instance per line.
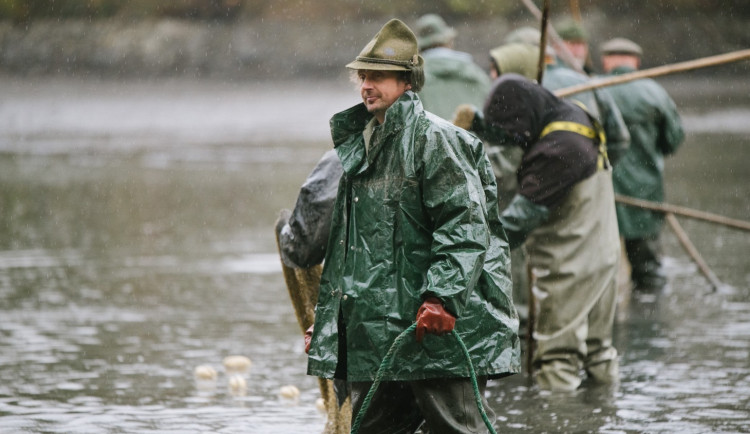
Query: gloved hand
x=463, y=117
x=433, y=318
x=308, y=338
x=283, y=219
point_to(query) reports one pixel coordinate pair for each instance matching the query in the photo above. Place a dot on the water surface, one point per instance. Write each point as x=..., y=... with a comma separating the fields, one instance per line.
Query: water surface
x=136, y=243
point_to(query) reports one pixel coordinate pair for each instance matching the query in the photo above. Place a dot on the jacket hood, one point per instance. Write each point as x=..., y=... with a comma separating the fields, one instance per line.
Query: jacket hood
x=519, y=109
x=353, y=120
x=347, y=127
x=516, y=58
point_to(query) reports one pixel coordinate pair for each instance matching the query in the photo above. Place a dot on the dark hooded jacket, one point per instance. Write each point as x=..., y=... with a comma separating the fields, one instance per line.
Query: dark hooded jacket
x=516, y=113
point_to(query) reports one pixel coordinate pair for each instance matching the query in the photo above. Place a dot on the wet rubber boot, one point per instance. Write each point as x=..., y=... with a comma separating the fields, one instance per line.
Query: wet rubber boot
x=557, y=376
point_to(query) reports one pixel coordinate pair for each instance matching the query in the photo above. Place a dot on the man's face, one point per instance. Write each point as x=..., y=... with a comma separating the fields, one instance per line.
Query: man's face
x=612, y=61
x=380, y=89
x=493, y=72
x=579, y=50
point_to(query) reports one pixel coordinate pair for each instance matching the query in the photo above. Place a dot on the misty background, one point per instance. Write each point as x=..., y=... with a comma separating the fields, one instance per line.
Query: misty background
x=303, y=39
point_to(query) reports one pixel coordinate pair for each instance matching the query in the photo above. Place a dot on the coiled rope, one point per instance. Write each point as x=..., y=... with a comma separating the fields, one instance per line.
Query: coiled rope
x=386, y=364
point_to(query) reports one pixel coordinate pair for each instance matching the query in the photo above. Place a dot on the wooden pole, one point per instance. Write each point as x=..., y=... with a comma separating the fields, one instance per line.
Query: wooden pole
x=530, y=323
x=692, y=251
x=683, y=211
x=575, y=11
x=560, y=48
x=303, y=285
x=704, y=62
x=543, y=44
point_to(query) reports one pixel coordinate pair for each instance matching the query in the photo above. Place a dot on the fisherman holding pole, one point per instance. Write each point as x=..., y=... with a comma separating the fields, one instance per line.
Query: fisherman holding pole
x=415, y=244
x=656, y=131
x=564, y=213
x=451, y=76
x=576, y=40
x=520, y=56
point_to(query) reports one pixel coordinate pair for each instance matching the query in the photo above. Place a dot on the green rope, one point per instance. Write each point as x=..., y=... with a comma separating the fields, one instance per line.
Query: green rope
x=387, y=363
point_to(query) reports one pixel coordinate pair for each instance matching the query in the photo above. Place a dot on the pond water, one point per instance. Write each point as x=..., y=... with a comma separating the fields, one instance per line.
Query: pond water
x=136, y=243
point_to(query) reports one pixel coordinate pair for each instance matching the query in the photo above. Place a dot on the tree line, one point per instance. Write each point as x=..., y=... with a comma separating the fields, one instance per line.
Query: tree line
x=228, y=10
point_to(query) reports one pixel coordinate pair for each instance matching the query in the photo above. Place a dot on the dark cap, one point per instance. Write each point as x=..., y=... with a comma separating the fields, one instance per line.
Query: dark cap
x=571, y=30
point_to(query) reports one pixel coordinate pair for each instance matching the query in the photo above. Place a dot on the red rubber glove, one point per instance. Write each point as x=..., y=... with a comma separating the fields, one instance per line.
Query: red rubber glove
x=308, y=338
x=433, y=318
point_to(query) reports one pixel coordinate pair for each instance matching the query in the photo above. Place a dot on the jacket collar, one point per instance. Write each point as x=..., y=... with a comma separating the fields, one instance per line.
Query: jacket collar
x=621, y=70
x=347, y=127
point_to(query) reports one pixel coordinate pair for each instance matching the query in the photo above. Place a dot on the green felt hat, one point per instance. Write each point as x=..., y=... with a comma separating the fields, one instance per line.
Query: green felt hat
x=432, y=31
x=394, y=48
x=571, y=30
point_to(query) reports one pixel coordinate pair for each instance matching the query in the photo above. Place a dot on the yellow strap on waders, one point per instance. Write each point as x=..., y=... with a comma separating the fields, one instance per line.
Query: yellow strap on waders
x=596, y=133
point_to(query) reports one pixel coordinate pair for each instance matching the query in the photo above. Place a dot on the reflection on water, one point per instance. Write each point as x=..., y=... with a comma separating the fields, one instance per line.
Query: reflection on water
x=123, y=269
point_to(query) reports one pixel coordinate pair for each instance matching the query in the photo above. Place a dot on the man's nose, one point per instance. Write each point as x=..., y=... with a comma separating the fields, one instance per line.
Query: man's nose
x=366, y=83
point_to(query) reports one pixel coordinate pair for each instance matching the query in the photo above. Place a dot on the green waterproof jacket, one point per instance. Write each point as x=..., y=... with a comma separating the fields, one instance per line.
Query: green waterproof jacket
x=451, y=78
x=416, y=216
x=655, y=131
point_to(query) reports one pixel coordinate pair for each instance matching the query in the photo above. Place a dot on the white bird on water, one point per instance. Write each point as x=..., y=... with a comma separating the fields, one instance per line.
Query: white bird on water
x=237, y=385
x=205, y=373
x=289, y=392
x=237, y=364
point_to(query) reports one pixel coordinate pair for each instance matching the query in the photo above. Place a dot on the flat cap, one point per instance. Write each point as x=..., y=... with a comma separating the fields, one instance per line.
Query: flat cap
x=621, y=46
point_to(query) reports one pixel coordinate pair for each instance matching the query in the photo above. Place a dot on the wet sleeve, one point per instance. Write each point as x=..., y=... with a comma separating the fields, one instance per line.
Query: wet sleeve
x=304, y=238
x=520, y=218
x=454, y=199
x=618, y=137
x=671, y=133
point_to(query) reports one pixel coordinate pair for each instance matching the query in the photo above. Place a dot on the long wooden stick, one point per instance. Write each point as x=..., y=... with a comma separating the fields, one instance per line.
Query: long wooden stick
x=541, y=65
x=704, y=62
x=692, y=251
x=575, y=10
x=560, y=48
x=683, y=211
x=530, y=323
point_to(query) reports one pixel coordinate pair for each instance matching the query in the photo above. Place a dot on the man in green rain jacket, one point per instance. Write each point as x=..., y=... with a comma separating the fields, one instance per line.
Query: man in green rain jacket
x=415, y=237
x=451, y=77
x=655, y=131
